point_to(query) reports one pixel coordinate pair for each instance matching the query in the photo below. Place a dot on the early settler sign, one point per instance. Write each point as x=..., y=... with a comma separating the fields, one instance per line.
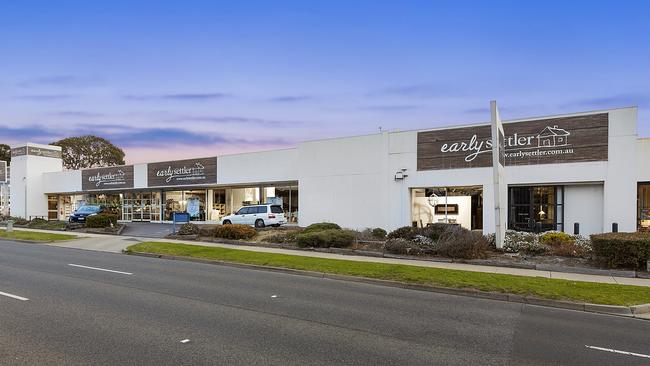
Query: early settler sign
x=543, y=141
x=182, y=172
x=36, y=151
x=3, y=171
x=114, y=177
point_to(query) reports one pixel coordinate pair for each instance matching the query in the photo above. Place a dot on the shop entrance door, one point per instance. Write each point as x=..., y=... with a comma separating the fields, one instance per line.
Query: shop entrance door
x=142, y=207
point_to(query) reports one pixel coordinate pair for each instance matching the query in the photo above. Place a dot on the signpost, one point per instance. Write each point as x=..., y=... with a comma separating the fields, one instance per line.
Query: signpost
x=500, y=183
x=179, y=217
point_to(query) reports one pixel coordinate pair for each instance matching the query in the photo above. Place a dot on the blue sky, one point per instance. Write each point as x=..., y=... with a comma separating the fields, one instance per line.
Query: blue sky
x=171, y=79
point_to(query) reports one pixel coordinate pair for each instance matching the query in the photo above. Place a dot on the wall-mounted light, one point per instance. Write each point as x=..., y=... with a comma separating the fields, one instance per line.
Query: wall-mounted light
x=401, y=174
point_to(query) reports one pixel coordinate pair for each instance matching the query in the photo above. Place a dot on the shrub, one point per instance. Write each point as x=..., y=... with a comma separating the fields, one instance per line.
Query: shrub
x=434, y=231
x=625, y=250
x=458, y=242
x=188, y=229
x=336, y=238
x=402, y=246
x=206, y=230
x=379, y=233
x=236, y=232
x=320, y=227
x=288, y=237
x=101, y=221
x=524, y=242
x=404, y=232
x=18, y=221
x=556, y=238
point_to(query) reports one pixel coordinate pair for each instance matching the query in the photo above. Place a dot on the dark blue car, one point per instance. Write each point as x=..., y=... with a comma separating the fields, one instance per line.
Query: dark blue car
x=84, y=211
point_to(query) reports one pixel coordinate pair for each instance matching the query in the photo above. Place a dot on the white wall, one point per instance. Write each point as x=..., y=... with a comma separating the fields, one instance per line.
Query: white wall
x=140, y=176
x=28, y=170
x=258, y=167
x=643, y=160
x=63, y=182
x=584, y=204
x=344, y=181
x=621, y=179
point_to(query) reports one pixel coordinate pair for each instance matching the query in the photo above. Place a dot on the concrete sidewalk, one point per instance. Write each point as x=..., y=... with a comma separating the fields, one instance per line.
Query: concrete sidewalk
x=110, y=243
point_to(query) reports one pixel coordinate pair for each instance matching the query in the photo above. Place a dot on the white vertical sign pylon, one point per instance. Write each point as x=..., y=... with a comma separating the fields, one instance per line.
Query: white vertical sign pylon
x=500, y=184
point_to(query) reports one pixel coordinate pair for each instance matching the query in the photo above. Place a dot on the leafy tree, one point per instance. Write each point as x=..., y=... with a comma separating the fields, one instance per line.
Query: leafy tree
x=88, y=152
x=5, y=153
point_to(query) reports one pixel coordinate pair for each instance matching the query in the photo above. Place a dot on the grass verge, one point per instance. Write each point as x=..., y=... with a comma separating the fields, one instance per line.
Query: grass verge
x=595, y=293
x=35, y=236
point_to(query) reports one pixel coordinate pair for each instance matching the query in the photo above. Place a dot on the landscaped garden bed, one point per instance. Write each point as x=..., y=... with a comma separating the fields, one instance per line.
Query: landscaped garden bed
x=556, y=251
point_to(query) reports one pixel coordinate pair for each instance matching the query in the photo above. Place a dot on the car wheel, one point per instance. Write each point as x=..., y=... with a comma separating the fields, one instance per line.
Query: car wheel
x=259, y=223
x=227, y=222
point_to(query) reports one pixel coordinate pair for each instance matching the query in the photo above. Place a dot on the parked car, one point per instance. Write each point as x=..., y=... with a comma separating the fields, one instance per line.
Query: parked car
x=257, y=215
x=84, y=211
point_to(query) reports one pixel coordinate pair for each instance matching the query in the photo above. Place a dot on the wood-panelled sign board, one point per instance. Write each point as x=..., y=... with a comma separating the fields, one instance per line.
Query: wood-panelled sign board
x=36, y=151
x=3, y=172
x=544, y=141
x=182, y=172
x=114, y=177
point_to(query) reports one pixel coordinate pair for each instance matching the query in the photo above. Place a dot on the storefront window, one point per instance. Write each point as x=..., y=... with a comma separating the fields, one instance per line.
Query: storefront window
x=193, y=202
x=643, y=205
x=538, y=208
x=52, y=207
x=461, y=205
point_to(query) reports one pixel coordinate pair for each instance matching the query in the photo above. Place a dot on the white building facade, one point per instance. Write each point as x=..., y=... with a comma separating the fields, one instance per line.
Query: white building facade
x=582, y=172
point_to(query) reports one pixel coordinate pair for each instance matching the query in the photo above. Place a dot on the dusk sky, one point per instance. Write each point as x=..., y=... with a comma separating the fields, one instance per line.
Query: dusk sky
x=175, y=79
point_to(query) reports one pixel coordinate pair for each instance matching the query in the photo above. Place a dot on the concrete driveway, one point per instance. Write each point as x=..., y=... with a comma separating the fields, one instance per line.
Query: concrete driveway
x=147, y=229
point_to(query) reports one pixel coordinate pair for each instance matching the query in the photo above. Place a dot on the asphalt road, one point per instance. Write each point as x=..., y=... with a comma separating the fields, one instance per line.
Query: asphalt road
x=233, y=316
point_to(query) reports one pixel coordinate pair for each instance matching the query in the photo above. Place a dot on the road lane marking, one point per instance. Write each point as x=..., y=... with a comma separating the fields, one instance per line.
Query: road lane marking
x=14, y=296
x=619, y=352
x=100, y=269
x=185, y=341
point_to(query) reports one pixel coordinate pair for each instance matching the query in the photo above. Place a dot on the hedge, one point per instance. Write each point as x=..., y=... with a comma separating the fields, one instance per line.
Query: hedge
x=624, y=250
x=320, y=227
x=336, y=238
x=101, y=220
x=235, y=232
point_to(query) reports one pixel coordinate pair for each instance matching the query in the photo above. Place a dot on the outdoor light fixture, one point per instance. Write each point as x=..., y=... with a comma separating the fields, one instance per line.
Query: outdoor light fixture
x=400, y=175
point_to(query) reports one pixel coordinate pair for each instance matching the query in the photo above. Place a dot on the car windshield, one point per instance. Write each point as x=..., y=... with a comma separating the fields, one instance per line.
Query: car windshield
x=276, y=209
x=88, y=209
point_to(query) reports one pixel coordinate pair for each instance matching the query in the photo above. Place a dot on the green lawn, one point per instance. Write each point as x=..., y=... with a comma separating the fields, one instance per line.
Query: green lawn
x=596, y=293
x=34, y=236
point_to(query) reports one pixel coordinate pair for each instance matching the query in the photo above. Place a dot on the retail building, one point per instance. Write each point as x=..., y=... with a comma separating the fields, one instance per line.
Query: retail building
x=589, y=169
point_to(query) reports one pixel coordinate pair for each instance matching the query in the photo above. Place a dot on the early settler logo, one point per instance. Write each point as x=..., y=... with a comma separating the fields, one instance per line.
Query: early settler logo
x=108, y=179
x=550, y=137
x=557, y=140
x=184, y=173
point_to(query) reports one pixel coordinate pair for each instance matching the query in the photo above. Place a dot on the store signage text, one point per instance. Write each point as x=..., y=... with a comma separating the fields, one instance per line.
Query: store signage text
x=182, y=172
x=555, y=140
x=107, y=178
x=36, y=151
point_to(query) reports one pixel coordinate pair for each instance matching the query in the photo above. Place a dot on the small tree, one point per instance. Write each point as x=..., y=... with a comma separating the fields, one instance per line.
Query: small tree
x=88, y=152
x=5, y=153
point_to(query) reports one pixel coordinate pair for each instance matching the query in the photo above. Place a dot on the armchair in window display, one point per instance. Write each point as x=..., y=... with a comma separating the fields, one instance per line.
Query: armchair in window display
x=644, y=222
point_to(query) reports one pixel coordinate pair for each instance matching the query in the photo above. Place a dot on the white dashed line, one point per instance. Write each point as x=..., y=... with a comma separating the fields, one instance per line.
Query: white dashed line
x=185, y=341
x=100, y=269
x=14, y=296
x=619, y=352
